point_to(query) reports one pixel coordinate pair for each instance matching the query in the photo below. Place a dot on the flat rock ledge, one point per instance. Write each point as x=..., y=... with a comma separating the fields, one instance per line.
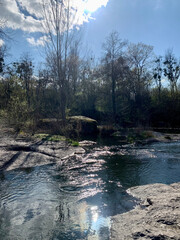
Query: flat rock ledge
x=157, y=217
x=21, y=154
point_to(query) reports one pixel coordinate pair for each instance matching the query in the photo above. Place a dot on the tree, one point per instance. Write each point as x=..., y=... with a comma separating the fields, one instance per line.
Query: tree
x=157, y=74
x=140, y=59
x=73, y=64
x=25, y=73
x=171, y=70
x=2, y=54
x=58, y=25
x=113, y=47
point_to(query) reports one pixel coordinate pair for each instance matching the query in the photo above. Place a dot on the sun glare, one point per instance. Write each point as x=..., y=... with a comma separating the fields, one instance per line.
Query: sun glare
x=93, y=5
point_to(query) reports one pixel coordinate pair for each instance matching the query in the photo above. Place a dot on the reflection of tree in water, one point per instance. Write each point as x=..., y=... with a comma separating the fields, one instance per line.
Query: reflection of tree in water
x=87, y=177
x=71, y=201
x=103, y=233
x=5, y=221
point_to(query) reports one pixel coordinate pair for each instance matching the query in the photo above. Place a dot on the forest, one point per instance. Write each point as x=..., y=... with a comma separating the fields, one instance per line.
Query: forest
x=129, y=86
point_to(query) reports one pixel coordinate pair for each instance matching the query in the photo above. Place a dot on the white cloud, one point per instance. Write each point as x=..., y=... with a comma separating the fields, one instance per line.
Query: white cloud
x=27, y=14
x=1, y=42
x=38, y=42
x=16, y=19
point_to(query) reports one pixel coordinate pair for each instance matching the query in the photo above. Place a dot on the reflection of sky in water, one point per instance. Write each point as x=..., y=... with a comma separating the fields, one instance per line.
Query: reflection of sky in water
x=98, y=222
x=39, y=205
x=76, y=199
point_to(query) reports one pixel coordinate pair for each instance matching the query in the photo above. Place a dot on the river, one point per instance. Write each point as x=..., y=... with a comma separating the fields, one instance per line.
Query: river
x=76, y=199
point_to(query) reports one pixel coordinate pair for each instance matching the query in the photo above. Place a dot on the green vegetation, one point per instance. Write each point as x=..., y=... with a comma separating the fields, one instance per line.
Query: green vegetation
x=56, y=138
x=52, y=138
x=125, y=89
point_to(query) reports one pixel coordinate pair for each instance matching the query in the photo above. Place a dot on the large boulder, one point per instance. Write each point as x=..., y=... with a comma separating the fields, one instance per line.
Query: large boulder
x=83, y=125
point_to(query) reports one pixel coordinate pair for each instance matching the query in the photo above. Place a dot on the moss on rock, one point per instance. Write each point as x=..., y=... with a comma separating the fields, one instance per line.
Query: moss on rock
x=83, y=125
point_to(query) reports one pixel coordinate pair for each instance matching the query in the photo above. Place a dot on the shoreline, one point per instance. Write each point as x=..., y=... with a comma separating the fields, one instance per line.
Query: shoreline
x=156, y=217
x=24, y=152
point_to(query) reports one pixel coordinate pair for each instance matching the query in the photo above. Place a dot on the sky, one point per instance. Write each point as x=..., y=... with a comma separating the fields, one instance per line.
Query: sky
x=153, y=22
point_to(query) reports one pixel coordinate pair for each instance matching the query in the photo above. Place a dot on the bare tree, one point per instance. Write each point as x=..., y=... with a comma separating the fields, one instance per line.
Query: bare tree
x=74, y=63
x=140, y=58
x=58, y=25
x=113, y=47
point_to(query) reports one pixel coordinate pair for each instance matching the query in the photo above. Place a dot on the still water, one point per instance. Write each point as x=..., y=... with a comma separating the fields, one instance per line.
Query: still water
x=76, y=199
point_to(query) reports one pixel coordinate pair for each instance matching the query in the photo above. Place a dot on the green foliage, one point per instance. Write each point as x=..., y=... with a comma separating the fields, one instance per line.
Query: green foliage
x=72, y=142
x=18, y=111
x=51, y=138
x=56, y=138
x=117, y=91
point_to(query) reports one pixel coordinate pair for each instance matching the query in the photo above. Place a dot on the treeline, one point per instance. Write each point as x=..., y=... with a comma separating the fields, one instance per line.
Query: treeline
x=130, y=86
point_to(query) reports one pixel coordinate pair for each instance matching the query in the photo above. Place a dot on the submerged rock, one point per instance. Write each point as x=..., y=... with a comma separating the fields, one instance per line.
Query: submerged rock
x=157, y=217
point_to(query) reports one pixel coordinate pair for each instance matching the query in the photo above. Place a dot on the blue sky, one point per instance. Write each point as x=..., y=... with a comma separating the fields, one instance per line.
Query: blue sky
x=153, y=22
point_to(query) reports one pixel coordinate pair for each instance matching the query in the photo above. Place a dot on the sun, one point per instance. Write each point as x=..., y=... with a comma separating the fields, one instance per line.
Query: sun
x=92, y=5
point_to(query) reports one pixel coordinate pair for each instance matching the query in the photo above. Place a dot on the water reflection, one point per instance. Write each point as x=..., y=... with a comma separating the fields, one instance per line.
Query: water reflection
x=76, y=199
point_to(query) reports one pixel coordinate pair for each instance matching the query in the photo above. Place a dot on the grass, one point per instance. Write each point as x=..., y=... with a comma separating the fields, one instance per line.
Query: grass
x=73, y=143
x=56, y=138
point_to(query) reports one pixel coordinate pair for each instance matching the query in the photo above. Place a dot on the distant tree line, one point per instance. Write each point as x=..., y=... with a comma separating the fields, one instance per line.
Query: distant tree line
x=130, y=86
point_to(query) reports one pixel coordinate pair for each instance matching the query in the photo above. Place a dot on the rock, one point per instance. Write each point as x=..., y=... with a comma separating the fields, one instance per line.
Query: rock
x=156, y=217
x=80, y=151
x=21, y=154
x=83, y=125
x=27, y=153
x=86, y=143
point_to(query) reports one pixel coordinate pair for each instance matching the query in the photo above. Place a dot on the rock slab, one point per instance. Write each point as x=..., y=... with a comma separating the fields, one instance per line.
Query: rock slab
x=157, y=217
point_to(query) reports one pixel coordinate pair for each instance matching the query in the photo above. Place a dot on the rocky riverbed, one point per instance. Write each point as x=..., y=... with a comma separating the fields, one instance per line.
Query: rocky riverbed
x=18, y=152
x=157, y=216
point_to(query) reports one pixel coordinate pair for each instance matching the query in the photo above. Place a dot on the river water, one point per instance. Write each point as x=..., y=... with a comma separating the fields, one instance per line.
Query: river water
x=76, y=199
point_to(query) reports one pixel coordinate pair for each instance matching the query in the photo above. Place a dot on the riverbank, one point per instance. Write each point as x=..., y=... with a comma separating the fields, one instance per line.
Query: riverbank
x=24, y=152
x=156, y=217
x=17, y=151
x=143, y=137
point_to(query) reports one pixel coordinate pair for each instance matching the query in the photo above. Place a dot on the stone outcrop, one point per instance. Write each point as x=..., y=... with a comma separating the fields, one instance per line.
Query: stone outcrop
x=75, y=126
x=83, y=125
x=157, y=217
x=23, y=153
